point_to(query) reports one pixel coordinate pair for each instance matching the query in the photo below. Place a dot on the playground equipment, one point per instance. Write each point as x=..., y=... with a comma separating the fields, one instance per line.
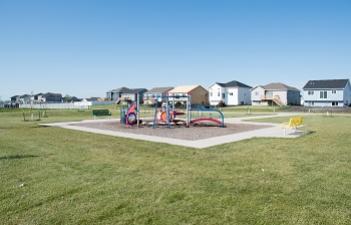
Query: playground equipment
x=207, y=116
x=130, y=115
x=172, y=111
x=168, y=114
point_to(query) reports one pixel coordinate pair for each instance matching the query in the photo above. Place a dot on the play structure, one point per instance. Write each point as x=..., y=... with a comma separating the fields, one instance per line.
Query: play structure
x=130, y=112
x=171, y=111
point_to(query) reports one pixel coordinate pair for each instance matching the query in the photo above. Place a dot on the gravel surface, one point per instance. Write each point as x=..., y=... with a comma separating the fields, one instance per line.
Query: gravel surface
x=182, y=133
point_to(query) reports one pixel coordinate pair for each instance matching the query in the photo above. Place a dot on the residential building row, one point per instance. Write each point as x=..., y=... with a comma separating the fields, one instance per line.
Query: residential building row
x=316, y=93
x=38, y=98
x=49, y=98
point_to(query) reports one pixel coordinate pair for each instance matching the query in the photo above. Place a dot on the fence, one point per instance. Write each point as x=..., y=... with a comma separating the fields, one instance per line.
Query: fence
x=75, y=105
x=103, y=103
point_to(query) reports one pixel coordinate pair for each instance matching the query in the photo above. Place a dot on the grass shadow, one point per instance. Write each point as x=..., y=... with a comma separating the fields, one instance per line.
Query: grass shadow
x=14, y=157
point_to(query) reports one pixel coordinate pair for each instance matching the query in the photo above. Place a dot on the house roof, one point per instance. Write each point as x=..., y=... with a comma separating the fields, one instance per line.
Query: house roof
x=52, y=94
x=279, y=86
x=128, y=90
x=160, y=89
x=122, y=90
x=184, y=89
x=139, y=90
x=233, y=83
x=320, y=84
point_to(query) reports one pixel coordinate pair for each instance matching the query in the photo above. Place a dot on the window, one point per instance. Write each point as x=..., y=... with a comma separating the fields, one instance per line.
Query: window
x=323, y=94
x=211, y=94
x=256, y=93
x=219, y=94
x=231, y=94
x=335, y=103
x=223, y=96
x=310, y=92
x=333, y=91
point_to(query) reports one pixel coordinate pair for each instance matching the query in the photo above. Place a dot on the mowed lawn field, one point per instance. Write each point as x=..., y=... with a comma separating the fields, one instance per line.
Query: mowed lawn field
x=57, y=176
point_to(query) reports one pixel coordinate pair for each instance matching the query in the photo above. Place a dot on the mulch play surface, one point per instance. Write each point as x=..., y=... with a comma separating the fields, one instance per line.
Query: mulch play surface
x=182, y=133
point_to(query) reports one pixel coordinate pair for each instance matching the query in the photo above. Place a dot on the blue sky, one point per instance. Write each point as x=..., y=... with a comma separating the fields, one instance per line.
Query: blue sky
x=85, y=48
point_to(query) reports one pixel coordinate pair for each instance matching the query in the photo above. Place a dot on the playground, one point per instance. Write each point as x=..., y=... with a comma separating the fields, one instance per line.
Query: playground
x=237, y=129
x=175, y=121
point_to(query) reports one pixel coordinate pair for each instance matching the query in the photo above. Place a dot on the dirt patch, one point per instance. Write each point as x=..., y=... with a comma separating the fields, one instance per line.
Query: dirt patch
x=182, y=133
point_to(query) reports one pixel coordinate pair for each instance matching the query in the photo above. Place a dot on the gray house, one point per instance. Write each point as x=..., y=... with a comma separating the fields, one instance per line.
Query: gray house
x=275, y=94
x=15, y=99
x=116, y=94
x=21, y=99
x=327, y=93
x=48, y=98
x=126, y=93
x=156, y=93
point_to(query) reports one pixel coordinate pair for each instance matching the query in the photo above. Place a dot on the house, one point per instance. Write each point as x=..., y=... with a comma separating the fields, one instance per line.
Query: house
x=197, y=93
x=71, y=99
x=15, y=99
x=22, y=99
x=48, y=98
x=275, y=94
x=327, y=93
x=25, y=99
x=116, y=94
x=155, y=94
x=231, y=93
x=95, y=99
x=140, y=92
x=126, y=93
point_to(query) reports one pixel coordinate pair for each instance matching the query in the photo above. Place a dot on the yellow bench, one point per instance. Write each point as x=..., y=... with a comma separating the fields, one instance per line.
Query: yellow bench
x=294, y=123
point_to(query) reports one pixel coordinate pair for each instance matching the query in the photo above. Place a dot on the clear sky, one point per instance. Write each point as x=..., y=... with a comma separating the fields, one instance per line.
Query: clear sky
x=85, y=47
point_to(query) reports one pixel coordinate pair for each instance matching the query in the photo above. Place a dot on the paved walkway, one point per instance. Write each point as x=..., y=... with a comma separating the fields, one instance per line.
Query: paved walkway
x=274, y=131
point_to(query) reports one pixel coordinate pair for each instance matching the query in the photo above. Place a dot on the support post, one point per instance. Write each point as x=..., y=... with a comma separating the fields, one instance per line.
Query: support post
x=138, y=110
x=188, y=111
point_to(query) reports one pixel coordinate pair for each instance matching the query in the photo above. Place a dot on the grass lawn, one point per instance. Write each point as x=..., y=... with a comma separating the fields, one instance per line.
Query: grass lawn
x=57, y=176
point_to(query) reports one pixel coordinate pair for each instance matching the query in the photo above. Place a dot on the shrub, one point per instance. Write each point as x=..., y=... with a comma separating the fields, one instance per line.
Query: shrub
x=221, y=104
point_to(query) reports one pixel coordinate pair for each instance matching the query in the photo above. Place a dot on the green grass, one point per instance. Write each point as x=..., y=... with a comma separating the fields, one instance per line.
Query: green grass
x=57, y=176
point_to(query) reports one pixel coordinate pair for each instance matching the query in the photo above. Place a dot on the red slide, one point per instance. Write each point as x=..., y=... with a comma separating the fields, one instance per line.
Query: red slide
x=206, y=120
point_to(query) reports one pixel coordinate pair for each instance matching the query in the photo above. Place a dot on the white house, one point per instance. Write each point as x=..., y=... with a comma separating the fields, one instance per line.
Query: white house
x=275, y=94
x=231, y=93
x=327, y=93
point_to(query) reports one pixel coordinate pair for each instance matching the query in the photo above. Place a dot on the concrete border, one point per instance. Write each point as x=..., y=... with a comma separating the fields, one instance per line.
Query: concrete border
x=275, y=131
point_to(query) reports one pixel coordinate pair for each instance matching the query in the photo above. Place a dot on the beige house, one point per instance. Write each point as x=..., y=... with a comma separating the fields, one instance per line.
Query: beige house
x=197, y=93
x=275, y=94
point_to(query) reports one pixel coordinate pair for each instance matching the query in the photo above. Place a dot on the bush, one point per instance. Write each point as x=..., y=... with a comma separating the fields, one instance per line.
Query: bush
x=221, y=104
